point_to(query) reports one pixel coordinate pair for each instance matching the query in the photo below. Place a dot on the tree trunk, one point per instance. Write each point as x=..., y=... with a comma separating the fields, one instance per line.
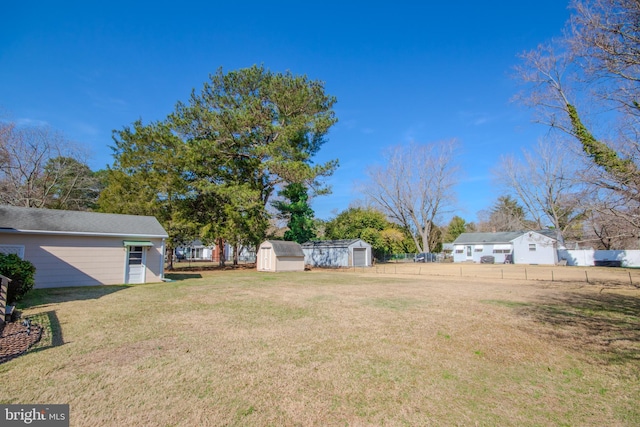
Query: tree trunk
x=221, y=252
x=169, y=252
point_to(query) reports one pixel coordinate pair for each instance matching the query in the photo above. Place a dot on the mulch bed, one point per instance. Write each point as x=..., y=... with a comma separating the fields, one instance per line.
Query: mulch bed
x=14, y=340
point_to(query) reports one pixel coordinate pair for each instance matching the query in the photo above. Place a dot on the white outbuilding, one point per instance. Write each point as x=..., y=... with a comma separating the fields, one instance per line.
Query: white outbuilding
x=72, y=248
x=278, y=255
x=337, y=253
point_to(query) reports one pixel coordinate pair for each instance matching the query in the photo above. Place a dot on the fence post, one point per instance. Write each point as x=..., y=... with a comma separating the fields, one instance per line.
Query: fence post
x=630, y=279
x=552, y=275
x=4, y=288
x=586, y=275
x=526, y=277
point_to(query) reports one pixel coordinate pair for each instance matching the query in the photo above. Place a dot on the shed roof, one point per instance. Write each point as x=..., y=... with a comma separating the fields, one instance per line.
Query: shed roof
x=53, y=221
x=284, y=248
x=330, y=243
x=498, y=237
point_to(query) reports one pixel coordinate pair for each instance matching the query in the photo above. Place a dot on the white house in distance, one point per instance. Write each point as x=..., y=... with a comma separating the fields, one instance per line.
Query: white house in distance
x=279, y=255
x=337, y=253
x=72, y=248
x=521, y=247
x=198, y=251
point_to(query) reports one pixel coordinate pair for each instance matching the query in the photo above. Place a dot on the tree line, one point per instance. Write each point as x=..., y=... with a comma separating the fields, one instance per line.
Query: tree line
x=237, y=157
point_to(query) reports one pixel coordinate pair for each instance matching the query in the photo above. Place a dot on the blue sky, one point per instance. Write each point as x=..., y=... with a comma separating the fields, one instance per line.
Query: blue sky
x=401, y=71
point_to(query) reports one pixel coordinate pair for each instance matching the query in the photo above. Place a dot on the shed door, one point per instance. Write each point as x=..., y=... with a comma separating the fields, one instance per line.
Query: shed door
x=136, y=264
x=359, y=257
x=266, y=258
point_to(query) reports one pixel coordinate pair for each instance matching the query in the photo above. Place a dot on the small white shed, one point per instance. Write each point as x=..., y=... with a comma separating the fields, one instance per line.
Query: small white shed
x=337, y=253
x=278, y=255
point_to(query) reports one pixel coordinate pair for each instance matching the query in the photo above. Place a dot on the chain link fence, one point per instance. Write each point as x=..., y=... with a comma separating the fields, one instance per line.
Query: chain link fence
x=422, y=257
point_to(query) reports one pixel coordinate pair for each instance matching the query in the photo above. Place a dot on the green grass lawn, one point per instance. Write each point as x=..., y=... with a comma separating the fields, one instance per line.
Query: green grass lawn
x=333, y=348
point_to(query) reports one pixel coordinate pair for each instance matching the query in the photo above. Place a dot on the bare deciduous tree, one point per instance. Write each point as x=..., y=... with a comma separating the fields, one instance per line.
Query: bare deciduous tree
x=606, y=230
x=587, y=85
x=40, y=168
x=545, y=183
x=604, y=35
x=615, y=213
x=414, y=187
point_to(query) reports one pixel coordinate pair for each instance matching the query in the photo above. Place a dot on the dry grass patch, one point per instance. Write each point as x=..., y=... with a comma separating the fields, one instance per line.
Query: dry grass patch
x=603, y=276
x=335, y=348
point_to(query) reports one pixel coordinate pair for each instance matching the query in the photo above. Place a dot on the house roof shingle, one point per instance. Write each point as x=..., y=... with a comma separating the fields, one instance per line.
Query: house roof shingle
x=497, y=237
x=32, y=220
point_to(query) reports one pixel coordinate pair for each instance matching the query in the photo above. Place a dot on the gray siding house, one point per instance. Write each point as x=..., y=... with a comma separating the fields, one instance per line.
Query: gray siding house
x=522, y=247
x=337, y=253
x=71, y=248
x=279, y=255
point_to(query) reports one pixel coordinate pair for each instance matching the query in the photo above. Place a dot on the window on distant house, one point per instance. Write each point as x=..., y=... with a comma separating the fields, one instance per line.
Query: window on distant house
x=196, y=253
x=502, y=249
x=532, y=247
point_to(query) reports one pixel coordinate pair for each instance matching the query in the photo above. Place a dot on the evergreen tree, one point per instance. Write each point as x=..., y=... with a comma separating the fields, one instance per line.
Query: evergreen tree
x=507, y=215
x=456, y=227
x=296, y=209
x=210, y=169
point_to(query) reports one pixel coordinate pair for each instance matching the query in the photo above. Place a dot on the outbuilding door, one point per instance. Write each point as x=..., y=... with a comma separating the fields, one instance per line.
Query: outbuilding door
x=136, y=264
x=267, y=258
x=359, y=257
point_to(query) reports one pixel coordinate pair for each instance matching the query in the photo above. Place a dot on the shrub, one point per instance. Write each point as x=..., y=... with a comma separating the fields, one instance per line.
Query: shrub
x=20, y=272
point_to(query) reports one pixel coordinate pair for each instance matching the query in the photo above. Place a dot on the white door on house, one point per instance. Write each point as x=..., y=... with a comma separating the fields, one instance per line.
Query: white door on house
x=136, y=264
x=469, y=252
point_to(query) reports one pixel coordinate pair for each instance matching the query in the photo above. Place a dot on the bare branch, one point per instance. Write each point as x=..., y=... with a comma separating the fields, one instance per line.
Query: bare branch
x=545, y=183
x=586, y=84
x=33, y=162
x=414, y=187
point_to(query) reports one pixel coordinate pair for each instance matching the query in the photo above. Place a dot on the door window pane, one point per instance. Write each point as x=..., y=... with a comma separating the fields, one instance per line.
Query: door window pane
x=135, y=255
